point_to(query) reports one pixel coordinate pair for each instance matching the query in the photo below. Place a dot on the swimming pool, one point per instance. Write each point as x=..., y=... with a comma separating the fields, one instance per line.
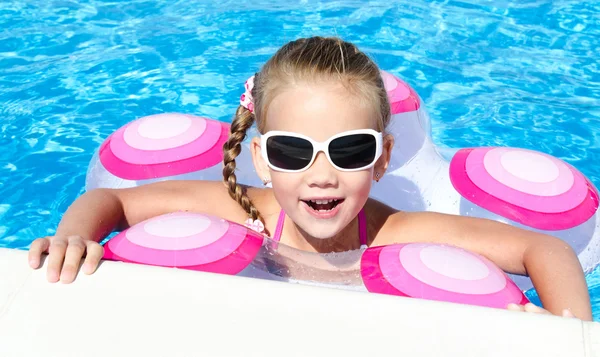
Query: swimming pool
x=505, y=73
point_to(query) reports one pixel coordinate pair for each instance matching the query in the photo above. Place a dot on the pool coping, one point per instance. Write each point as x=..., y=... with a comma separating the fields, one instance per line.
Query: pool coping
x=130, y=309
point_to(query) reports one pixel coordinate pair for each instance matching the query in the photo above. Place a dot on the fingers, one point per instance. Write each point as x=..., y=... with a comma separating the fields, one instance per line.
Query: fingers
x=56, y=256
x=529, y=307
x=64, y=256
x=38, y=247
x=515, y=307
x=95, y=252
x=74, y=252
x=532, y=308
x=567, y=313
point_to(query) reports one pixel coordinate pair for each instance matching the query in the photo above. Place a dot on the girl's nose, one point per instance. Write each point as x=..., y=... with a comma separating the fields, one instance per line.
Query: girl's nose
x=322, y=173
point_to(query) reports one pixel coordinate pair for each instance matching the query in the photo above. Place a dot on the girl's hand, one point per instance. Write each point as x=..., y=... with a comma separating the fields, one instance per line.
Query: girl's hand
x=529, y=307
x=65, y=255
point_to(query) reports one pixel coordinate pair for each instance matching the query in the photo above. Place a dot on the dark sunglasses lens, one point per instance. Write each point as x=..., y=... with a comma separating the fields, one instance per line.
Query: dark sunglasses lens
x=353, y=151
x=288, y=152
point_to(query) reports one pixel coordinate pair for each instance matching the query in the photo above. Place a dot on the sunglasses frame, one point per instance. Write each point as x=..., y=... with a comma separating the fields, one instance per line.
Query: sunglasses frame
x=321, y=147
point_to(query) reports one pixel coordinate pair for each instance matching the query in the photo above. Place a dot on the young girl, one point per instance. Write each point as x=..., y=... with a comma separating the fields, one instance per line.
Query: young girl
x=322, y=110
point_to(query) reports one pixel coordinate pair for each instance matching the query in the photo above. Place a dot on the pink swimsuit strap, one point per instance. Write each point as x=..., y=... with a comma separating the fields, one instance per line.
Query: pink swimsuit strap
x=279, y=227
x=362, y=227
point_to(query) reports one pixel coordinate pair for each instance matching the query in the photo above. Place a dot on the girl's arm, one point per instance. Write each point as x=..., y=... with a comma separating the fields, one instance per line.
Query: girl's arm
x=95, y=214
x=551, y=264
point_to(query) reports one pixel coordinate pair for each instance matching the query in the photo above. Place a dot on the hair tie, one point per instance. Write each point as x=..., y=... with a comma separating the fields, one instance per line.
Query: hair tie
x=255, y=225
x=246, y=99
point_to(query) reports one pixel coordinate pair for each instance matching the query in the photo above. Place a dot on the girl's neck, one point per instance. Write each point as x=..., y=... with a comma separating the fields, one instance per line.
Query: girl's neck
x=347, y=239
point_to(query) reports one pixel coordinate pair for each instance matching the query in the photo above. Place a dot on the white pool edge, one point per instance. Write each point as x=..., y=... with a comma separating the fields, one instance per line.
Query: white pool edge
x=134, y=310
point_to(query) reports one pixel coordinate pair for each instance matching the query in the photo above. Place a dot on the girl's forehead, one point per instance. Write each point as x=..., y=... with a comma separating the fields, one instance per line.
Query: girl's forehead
x=319, y=111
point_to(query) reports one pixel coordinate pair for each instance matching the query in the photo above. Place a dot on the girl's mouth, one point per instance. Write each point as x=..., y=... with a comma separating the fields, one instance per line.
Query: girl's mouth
x=323, y=205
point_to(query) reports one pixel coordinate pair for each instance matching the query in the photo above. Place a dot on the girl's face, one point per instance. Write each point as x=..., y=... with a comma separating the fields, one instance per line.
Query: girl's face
x=321, y=200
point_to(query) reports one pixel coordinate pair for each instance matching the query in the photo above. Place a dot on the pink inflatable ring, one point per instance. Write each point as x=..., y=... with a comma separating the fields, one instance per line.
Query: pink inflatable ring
x=189, y=241
x=437, y=272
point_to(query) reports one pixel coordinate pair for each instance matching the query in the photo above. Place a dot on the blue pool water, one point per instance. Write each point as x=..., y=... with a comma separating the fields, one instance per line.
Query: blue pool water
x=513, y=73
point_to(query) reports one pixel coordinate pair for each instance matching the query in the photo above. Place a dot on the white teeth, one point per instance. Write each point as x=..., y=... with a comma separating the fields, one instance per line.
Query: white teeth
x=322, y=202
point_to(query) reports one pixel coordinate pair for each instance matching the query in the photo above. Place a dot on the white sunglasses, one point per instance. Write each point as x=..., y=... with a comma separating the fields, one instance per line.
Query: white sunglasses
x=352, y=150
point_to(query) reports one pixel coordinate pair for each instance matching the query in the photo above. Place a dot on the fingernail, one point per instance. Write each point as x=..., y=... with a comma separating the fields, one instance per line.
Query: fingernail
x=87, y=268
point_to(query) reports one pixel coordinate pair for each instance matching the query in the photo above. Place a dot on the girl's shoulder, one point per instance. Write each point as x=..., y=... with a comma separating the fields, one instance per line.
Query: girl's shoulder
x=379, y=218
x=262, y=198
x=387, y=225
x=265, y=202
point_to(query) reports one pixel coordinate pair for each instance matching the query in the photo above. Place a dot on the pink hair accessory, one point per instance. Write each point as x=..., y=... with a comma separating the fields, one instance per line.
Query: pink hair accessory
x=255, y=225
x=246, y=99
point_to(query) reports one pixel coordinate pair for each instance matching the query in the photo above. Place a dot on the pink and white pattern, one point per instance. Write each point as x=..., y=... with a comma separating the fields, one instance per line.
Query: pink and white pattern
x=401, y=96
x=437, y=272
x=189, y=241
x=528, y=187
x=246, y=99
x=163, y=145
x=255, y=225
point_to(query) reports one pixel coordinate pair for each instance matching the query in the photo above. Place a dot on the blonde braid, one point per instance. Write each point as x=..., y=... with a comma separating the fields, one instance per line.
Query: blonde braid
x=231, y=149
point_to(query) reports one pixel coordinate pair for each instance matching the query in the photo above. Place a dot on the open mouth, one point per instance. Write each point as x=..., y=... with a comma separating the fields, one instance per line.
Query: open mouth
x=323, y=205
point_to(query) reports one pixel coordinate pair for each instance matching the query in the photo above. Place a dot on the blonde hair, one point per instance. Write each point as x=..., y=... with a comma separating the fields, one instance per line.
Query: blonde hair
x=305, y=59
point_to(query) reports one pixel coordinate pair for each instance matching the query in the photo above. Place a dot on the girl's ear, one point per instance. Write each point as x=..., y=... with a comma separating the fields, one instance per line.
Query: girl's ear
x=261, y=167
x=382, y=164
